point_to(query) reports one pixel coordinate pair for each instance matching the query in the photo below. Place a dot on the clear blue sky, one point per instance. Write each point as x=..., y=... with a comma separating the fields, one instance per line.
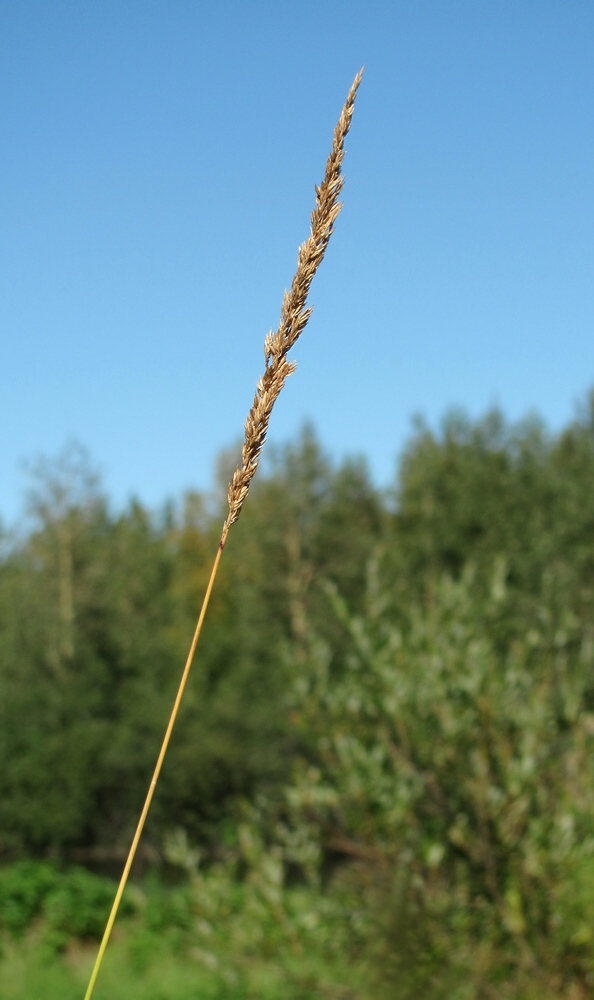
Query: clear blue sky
x=156, y=177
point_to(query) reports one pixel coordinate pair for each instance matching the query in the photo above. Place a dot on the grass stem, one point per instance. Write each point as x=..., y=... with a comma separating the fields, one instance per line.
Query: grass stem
x=294, y=316
x=156, y=773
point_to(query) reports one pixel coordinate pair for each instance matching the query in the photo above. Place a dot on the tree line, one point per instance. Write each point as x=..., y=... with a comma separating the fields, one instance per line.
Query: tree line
x=97, y=608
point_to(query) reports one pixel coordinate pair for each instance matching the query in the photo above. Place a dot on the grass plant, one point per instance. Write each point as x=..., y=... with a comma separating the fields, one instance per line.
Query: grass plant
x=294, y=316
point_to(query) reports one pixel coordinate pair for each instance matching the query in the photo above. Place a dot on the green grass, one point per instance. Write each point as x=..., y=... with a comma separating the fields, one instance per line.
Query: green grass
x=211, y=937
x=29, y=971
x=142, y=966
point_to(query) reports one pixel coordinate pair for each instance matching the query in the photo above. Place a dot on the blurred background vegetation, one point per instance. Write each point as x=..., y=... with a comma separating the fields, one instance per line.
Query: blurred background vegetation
x=382, y=780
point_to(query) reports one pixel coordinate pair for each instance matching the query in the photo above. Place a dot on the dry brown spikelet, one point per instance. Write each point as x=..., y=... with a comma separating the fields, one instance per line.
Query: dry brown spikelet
x=294, y=314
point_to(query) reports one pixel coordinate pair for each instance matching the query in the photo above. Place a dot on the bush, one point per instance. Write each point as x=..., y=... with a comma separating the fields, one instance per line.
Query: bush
x=454, y=769
x=24, y=888
x=72, y=903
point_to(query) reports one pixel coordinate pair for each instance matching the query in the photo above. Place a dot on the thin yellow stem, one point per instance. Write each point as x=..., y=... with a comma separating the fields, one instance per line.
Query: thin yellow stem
x=294, y=316
x=156, y=773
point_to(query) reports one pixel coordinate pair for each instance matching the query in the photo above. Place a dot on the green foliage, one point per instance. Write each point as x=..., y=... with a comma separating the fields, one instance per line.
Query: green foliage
x=24, y=887
x=80, y=904
x=458, y=775
x=253, y=930
x=233, y=931
x=480, y=490
x=164, y=974
x=392, y=764
x=70, y=904
x=96, y=615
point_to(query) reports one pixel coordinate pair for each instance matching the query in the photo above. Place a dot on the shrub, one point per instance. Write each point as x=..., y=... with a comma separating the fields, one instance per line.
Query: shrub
x=24, y=888
x=72, y=903
x=454, y=769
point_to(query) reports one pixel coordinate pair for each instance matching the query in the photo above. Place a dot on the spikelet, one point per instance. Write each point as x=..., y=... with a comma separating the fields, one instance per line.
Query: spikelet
x=294, y=315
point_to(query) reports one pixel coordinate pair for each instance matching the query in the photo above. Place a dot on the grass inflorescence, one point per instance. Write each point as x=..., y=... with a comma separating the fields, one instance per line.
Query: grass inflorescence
x=294, y=316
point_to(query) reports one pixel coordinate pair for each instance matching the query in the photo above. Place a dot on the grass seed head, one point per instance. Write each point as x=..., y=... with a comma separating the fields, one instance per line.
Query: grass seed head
x=294, y=314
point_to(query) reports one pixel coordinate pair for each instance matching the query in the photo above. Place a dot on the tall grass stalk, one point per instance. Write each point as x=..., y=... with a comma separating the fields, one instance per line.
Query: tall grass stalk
x=294, y=316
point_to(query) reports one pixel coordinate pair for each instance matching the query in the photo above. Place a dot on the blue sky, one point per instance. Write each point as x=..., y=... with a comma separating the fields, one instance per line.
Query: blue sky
x=157, y=177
